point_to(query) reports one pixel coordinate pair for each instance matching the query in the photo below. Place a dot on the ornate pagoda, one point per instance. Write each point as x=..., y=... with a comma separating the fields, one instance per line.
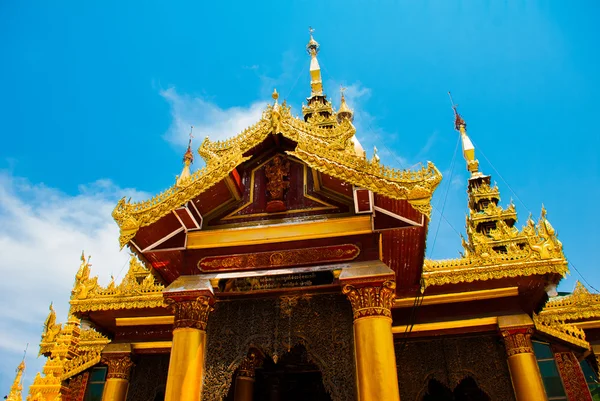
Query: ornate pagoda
x=291, y=267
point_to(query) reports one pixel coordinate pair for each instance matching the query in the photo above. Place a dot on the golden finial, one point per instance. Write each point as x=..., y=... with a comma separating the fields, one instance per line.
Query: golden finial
x=467, y=145
x=313, y=46
x=188, y=158
x=375, y=158
x=344, y=113
x=17, y=386
x=275, y=95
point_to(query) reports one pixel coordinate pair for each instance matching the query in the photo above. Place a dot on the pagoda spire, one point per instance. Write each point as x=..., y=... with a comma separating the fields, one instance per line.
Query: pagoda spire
x=17, y=386
x=188, y=159
x=316, y=83
x=468, y=149
x=319, y=110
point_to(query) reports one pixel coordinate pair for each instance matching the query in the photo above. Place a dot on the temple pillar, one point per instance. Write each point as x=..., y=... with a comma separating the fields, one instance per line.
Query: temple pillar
x=373, y=340
x=244, y=381
x=522, y=365
x=117, y=375
x=186, y=366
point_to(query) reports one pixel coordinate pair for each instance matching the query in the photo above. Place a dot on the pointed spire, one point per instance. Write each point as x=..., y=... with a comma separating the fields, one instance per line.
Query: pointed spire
x=188, y=159
x=316, y=84
x=468, y=149
x=344, y=113
x=17, y=386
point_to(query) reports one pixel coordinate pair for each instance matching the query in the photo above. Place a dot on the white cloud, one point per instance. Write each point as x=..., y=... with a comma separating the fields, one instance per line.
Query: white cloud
x=42, y=234
x=207, y=118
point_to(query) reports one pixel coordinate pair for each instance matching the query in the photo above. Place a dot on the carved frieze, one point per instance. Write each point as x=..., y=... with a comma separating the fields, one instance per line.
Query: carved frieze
x=287, y=258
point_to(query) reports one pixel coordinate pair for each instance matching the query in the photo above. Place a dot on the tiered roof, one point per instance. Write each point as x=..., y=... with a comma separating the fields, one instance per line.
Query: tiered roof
x=494, y=248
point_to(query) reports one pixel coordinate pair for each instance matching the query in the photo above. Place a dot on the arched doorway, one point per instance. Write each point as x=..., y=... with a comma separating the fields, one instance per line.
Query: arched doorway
x=293, y=377
x=466, y=390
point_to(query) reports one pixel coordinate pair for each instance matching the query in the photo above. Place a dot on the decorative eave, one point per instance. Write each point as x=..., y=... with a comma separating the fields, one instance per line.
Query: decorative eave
x=137, y=290
x=329, y=150
x=579, y=305
x=484, y=191
x=468, y=270
x=535, y=250
x=493, y=213
x=568, y=333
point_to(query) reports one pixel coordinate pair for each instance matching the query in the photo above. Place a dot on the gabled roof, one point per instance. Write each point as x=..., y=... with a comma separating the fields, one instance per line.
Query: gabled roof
x=328, y=150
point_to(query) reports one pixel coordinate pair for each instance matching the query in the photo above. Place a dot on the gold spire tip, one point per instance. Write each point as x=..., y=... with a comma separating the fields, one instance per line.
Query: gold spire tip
x=313, y=46
x=275, y=95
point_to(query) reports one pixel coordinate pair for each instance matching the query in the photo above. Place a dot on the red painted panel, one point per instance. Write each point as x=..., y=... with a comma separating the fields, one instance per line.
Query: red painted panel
x=177, y=241
x=399, y=207
x=403, y=251
x=363, y=200
x=212, y=198
x=367, y=243
x=336, y=185
x=185, y=217
x=148, y=235
x=383, y=221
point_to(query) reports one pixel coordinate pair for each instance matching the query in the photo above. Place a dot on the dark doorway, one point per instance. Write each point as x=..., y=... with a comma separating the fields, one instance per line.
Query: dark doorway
x=466, y=390
x=292, y=378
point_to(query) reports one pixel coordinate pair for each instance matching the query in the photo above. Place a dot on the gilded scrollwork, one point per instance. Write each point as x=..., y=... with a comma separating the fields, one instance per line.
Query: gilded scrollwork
x=503, y=252
x=563, y=331
x=371, y=300
x=138, y=289
x=51, y=330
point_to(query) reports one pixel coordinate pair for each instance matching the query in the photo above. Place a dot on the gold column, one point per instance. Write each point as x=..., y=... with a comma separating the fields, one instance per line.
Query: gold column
x=117, y=376
x=186, y=366
x=522, y=365
x=244, y=381
x=373, y=340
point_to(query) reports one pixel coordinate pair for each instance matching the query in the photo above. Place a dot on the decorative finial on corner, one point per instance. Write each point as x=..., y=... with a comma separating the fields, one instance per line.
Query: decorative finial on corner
x=344, y=113
x=375, y=155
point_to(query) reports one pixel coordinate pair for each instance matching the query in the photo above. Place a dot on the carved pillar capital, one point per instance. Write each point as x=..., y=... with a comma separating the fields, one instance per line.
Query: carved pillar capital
x=191, y=313
x=518, y=340
x=371, y=299
x=119, y=366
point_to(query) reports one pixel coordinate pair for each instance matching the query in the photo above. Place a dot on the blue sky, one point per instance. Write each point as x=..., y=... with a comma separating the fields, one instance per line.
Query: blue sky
x=96, y=99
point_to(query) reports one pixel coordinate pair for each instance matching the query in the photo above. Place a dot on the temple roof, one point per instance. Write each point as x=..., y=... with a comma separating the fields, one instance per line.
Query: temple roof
x=327, y=150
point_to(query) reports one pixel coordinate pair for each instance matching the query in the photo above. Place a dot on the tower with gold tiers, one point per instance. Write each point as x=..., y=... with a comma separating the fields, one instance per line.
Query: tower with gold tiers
x=291, y=267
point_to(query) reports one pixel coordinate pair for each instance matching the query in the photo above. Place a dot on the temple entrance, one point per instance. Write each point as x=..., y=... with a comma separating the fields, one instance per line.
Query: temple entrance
x=291, y=378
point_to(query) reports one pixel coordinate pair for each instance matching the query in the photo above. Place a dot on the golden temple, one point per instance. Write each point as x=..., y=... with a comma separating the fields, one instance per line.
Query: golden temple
x=291, y=267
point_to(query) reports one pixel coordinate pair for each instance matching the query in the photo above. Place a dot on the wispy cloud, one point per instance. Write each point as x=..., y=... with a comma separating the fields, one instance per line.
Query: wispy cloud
x=207, y=117
x=368, y=131
x=42, y=234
